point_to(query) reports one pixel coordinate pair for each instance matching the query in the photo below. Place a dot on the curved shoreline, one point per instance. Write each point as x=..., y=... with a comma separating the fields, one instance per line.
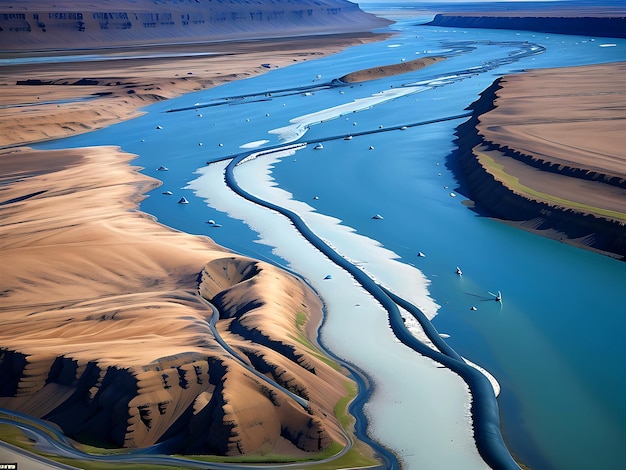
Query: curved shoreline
x=575, y=197
x=454, y=117
x=374, y=73
x=484, y=405
x=64, y=106
x=130, y=105
x=98, y=318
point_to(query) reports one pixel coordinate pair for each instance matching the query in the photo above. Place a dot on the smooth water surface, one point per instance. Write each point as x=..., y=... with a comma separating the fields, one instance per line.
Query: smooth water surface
x=554, y=344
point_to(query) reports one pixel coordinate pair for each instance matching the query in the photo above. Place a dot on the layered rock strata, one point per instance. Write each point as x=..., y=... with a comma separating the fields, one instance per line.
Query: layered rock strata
x=44, y=26
x=106, y=322
x=544, y=150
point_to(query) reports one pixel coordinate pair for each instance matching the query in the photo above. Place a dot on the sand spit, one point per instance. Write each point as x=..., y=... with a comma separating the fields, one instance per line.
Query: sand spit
x=42, y=101
x=105, y=321
x=390, y=70
x=546, y=149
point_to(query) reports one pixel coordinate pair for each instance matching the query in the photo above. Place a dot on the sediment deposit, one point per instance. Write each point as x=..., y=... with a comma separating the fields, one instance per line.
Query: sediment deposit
x=545, y=150
x=105, y=325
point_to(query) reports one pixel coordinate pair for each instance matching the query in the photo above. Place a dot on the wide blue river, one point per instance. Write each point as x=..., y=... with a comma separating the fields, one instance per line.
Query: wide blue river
x=555, y=343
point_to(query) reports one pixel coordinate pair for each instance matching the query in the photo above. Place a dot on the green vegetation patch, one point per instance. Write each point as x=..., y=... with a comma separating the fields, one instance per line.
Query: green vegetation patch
x=513, y=183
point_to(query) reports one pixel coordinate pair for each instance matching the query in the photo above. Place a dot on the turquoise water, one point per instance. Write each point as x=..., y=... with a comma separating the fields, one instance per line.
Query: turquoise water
x=555, y=342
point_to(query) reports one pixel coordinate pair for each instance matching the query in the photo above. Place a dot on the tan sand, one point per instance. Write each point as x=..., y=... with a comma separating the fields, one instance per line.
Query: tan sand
x=390, y=70
x=128, y=85
x=570, y=118
x=104, y=314
x=96, y=293
x=41, y=25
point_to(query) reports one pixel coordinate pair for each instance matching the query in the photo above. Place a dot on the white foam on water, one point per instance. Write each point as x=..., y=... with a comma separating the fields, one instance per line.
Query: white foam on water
x=378, y=262
x=415, y=399
x=253, y=145
x=494, y=382
x=299, y=125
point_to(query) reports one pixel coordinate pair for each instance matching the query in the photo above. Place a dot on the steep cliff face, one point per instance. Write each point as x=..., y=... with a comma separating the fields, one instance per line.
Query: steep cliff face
x=613, y=27
x=494, y=198
x=44, y=26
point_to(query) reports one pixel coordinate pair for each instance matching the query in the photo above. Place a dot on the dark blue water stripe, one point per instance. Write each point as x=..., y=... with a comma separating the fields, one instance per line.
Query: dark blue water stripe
x=484, y=407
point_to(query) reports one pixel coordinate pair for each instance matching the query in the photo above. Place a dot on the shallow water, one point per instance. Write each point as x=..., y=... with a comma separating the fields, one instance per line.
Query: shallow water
x=555, y=342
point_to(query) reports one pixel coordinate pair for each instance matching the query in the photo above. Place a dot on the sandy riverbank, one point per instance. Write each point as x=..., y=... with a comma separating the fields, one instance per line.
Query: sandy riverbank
x=105, y=320
x=553, y=140
x=390, y=69
x=147, y=51
x=105, y=327
x=59, y=99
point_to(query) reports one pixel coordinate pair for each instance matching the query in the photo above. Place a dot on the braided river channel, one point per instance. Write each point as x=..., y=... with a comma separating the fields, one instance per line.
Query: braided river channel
x=381, y=196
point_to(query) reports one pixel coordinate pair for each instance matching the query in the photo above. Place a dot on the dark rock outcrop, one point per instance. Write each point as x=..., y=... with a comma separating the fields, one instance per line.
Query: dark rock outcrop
x=494, y=199
x=613, y=27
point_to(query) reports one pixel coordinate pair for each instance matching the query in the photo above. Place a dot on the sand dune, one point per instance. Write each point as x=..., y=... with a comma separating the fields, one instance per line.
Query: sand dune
x=105, y=320
x=574, y=119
